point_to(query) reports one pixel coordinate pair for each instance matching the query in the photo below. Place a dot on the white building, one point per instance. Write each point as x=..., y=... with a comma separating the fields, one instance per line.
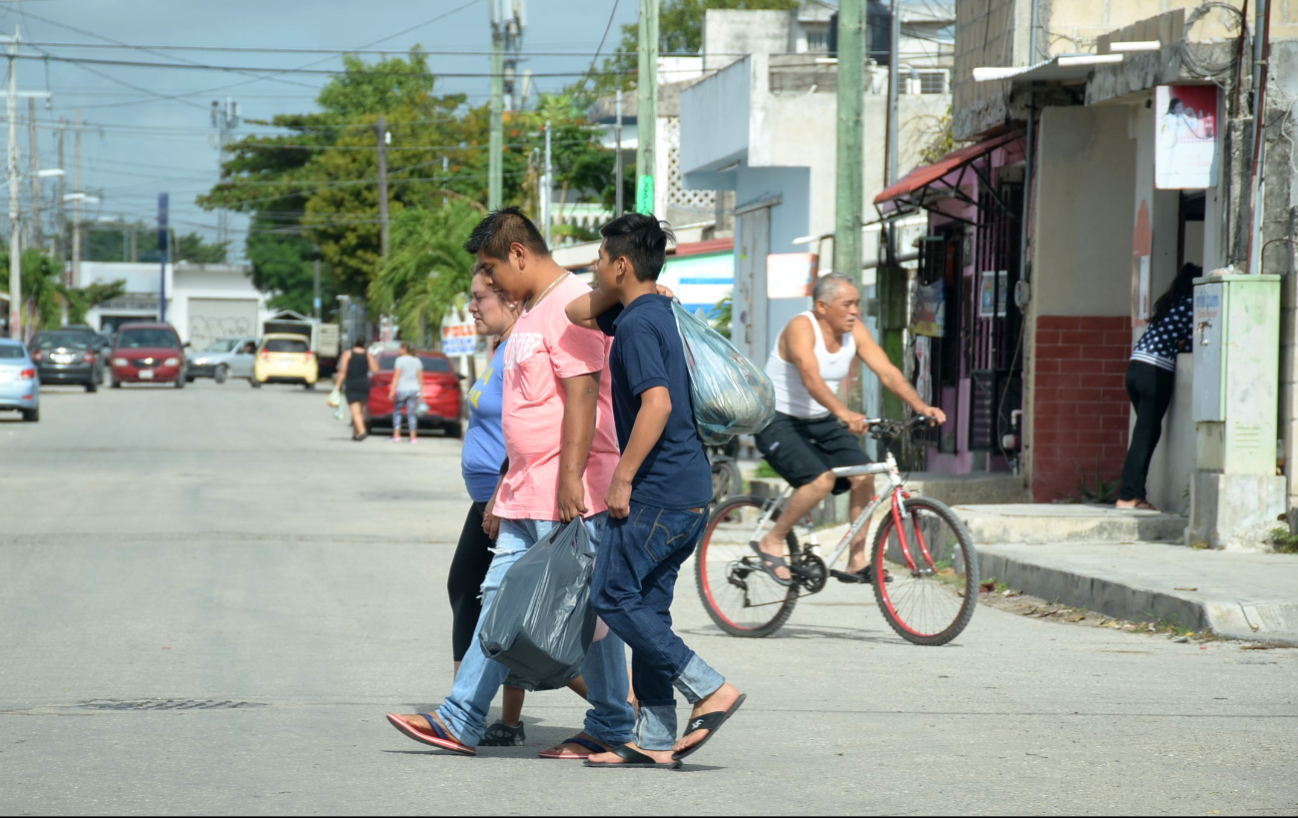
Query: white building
x=205, y=302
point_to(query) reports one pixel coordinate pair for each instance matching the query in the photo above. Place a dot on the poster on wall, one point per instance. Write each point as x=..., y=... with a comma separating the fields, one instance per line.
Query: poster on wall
x=1186, y=137
x=790, y=275
x=993, y=289
x=930, y=310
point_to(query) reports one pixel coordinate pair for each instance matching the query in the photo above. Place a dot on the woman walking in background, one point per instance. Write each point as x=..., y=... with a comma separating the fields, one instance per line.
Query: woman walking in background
x=1151, y=380
x=406, y=392
x=354, y=370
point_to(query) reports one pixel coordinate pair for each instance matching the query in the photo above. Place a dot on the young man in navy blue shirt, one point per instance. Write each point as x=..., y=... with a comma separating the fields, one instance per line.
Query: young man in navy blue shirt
x=658, y=500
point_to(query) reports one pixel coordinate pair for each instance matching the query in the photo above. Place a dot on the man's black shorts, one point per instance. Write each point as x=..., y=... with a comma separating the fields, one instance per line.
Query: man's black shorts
x=802, y=450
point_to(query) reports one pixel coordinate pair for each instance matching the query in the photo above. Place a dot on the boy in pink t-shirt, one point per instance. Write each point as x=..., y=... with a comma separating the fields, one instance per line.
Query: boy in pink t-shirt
x=562, y=449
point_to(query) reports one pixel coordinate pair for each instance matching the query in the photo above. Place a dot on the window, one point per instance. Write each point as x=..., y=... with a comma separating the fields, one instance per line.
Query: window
x=286, y=345
x=817, y=40
x=11, y=352
x=61, y=340
x=148, y=339
x=933, y=82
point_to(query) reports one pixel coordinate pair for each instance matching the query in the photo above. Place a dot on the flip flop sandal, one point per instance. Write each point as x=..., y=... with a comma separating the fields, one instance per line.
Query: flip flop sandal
x=770, y=564
x=432, y=735
x=565, y=755
x=712, y=723
x=633, y=758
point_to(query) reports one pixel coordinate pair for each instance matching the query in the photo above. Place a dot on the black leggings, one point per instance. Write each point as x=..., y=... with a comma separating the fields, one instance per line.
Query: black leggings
x=1151, y=389
x=468, y=570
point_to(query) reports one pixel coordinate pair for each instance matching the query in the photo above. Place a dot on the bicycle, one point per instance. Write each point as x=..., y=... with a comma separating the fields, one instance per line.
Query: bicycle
x=928, y=598
x=727, y=481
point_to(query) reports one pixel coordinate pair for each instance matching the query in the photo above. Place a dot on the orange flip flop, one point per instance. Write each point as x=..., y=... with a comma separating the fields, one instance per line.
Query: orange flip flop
x=568, y=755
x=432, y=735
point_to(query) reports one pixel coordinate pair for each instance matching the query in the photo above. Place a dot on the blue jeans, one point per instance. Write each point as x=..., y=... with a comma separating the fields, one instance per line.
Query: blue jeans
x=635, y=580
x=610, y=718
x=406, y=403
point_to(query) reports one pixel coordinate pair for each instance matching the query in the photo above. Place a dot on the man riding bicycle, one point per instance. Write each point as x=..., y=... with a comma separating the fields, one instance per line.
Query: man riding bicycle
x=813, y=431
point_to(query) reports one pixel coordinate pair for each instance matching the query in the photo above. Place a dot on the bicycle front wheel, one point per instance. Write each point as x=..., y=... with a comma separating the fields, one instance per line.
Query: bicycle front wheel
x=934, y=573
x=738, y=595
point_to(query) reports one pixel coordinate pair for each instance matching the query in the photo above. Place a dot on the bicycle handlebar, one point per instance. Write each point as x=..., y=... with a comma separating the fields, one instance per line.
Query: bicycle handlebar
x=885, y=429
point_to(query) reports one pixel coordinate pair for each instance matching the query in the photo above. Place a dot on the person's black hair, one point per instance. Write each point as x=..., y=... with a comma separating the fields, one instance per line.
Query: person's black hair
x=502, y=228
x=1181, y=288
x=359, y=343
x=642, y=240
x=1171, y=106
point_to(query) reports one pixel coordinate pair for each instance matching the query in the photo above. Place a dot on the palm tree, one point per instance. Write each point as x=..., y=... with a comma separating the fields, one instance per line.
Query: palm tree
x=427, y=268
x=42, y=297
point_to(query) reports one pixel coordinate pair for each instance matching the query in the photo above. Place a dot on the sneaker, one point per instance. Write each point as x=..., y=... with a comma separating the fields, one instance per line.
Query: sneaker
x=414, y=440
x=396, y=438
x=502, y=735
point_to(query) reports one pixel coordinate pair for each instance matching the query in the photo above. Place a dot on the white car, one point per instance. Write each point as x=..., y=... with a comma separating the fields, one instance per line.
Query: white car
x=226, y=358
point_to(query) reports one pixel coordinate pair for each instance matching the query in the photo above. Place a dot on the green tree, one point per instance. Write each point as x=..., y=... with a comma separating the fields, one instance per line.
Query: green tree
x=427, y=269
x=192, y=248
x=41, y=287
x=83, y=299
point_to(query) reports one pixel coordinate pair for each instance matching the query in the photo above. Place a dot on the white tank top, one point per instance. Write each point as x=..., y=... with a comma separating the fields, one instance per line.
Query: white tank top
x=791, y=396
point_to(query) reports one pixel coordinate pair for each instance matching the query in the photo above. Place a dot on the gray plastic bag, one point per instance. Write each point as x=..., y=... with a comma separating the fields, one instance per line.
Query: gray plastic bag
x=542, y=624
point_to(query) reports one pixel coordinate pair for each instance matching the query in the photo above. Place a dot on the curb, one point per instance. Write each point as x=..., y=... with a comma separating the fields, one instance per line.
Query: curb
x=1127, y=599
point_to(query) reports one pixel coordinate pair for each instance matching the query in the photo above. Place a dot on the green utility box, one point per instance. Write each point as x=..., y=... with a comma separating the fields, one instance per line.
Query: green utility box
x=1236, y=372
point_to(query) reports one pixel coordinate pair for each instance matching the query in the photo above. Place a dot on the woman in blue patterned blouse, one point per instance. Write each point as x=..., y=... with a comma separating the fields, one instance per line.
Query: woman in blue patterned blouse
x=1151, y=380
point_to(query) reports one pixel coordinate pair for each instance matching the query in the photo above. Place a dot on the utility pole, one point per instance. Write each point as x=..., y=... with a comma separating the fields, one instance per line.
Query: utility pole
x=34, y=234
x=1257, y=145
x=76, y=203
x=225, y=120
x=495, y=163
x=15, y=263
x=162, y=263
x=647, y=107
x=894, y=64
x=549, y=187
x=316, y=311
x=61, y=235
x=617, y=161
x=383, y=187
x=849, y=194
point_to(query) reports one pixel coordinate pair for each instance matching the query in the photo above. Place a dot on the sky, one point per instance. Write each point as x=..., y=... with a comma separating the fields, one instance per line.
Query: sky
x=138, y=144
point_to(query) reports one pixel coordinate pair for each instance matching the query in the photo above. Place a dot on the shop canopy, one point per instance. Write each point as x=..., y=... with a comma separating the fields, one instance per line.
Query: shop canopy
x=945, y=179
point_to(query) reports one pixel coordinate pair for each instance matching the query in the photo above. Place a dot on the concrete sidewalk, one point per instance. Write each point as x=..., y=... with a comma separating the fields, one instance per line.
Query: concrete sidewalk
x=1237, y=595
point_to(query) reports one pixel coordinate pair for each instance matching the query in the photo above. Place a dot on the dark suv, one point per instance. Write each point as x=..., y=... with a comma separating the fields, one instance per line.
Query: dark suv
x=68, y=356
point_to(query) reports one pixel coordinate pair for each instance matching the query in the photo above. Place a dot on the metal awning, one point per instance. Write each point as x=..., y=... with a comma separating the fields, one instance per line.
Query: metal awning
x=925, y=186
x=1064, y=68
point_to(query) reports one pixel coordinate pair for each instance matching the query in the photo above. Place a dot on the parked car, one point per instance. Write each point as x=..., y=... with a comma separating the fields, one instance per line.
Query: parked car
x=226, y=358
x=441, y=394
x=285, y=358
x=68, y=356
x=148, y=353
x=20, y=386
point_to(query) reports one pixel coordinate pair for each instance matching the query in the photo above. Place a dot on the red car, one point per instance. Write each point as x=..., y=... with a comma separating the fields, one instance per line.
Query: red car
x=441, y=393
x=147, y=353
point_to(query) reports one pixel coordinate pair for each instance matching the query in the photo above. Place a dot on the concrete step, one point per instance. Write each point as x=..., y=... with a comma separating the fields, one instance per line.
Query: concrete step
x=1251, y=596
x=1054, y=523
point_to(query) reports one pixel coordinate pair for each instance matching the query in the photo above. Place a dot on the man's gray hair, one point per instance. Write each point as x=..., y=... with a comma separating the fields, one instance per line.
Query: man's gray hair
x=827, y=286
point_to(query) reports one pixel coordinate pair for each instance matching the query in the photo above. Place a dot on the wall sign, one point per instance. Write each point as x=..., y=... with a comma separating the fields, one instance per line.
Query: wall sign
x=1185, y=156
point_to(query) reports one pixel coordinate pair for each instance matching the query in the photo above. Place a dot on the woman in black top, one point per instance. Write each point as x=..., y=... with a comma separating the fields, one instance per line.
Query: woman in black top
x=1151, y=381
x=354, y=370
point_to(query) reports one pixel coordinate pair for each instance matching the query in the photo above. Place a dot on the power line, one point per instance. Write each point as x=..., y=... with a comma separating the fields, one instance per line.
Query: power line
x=609, y=25
x=87, y=61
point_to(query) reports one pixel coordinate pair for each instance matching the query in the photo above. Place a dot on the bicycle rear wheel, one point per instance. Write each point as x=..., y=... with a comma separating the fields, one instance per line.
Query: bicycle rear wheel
x=934, y=568
x=738, y=595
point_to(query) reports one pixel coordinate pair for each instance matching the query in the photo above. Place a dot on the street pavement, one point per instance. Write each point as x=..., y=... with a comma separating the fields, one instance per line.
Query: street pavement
x=210, y=597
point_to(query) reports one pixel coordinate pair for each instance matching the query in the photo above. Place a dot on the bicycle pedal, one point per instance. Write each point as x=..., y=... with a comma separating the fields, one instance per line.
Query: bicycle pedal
x=843, y=576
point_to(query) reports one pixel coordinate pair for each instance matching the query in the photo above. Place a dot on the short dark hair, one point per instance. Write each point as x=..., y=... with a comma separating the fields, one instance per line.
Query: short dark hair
x=642, y=239
x=502, y=228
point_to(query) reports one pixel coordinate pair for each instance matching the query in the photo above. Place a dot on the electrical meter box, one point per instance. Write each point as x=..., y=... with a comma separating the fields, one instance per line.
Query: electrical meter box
x=1236, y=372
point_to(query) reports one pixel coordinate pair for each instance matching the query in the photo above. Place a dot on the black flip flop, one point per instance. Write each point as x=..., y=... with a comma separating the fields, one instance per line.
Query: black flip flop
x=633, y=758
x=770, y=563
x=712, y=723
x=863, y=577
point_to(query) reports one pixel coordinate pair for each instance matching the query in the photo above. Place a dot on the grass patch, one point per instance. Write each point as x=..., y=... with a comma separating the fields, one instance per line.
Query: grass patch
x=1283, y=541
x=765, y=472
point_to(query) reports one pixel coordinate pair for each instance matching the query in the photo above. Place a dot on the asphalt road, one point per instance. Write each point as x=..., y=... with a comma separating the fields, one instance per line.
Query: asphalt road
x=209, y=598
